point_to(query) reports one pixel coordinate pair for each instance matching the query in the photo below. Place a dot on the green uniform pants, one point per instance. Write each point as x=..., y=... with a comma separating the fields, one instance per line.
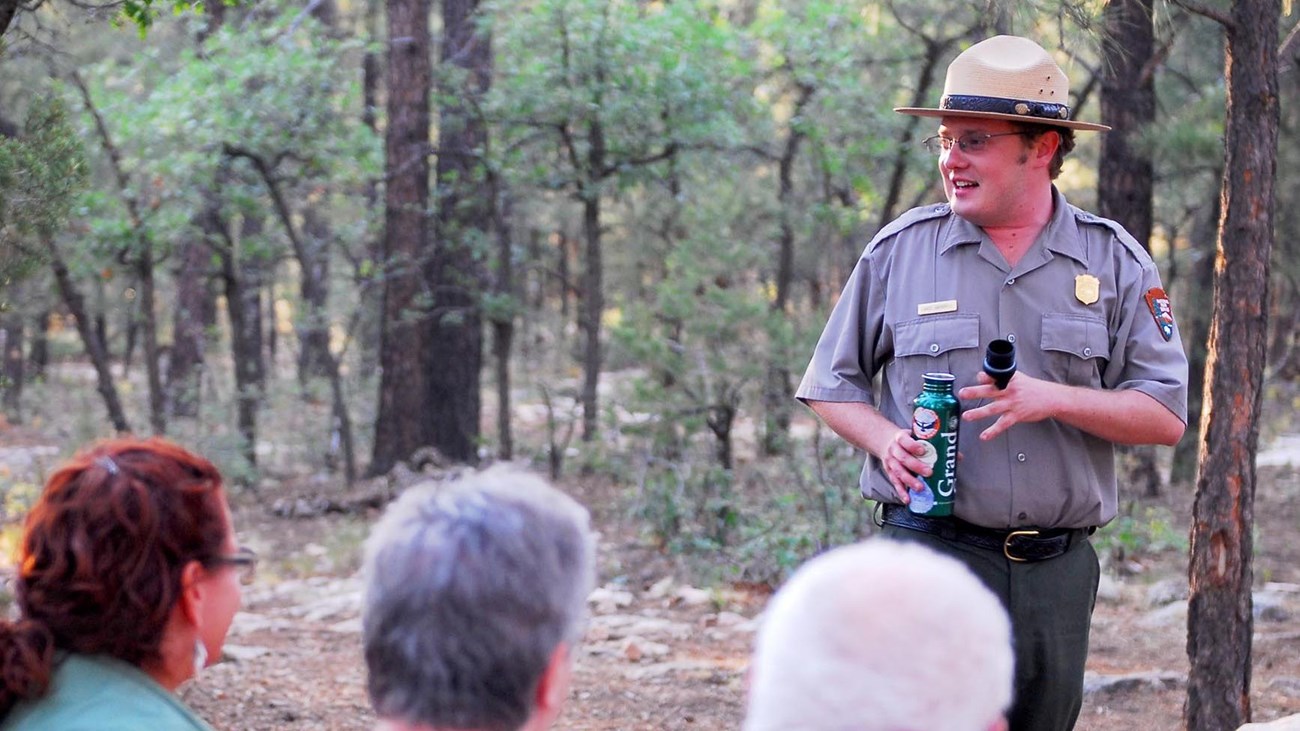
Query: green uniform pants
x=1050, y=603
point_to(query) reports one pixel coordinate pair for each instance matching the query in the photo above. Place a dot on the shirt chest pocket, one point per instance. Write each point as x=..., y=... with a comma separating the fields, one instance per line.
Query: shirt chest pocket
x=947, y=344
x=1076, y=349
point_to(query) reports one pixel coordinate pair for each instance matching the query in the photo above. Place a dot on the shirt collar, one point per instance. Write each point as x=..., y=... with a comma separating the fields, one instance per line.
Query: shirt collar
x=1060, y=236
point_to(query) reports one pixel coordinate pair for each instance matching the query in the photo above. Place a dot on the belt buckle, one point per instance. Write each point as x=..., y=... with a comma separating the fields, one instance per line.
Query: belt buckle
x=1006, y=544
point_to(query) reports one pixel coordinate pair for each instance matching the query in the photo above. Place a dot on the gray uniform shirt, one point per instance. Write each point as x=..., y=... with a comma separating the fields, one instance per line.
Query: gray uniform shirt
x=1084, y=306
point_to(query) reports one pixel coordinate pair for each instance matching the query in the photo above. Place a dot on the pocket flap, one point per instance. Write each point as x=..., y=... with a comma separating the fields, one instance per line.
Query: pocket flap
x=935, y=336
x=1079, y=335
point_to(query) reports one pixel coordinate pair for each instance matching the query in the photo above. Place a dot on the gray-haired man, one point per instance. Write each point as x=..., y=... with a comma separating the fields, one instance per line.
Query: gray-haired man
x=475, y=596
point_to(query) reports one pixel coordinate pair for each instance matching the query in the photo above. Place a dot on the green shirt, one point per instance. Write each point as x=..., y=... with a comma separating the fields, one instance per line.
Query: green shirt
x=100, y=693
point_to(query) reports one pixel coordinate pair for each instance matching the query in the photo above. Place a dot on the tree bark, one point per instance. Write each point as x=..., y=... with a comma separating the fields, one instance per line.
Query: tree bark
x=1219, y=612
x=8, y=11
x=38, y=356
x=241, y=277
x=369, y=325
x=1125, y=172
x=592, y=302
x=11, y=365
x=503, y=323
x=141, y=259
x=1128, y=105
x=149, y=323
x=1199, y=299
x=454, y=335
x=399, y=424
x=76, y=304
x=314, y=357
x=195, y=313
x=777, y=394
x=934, y=52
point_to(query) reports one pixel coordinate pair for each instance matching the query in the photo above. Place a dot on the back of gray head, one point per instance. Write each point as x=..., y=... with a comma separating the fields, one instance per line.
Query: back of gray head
x=470, y=587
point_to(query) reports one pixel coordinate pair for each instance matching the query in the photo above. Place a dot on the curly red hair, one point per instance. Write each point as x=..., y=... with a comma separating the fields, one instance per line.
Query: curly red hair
x=101, y=557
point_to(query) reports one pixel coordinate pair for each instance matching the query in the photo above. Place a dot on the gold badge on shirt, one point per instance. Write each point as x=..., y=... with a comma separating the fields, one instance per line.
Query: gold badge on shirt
x=1087, y=288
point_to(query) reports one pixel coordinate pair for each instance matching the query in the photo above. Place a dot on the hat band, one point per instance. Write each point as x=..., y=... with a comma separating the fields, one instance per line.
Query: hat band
x=996, y=105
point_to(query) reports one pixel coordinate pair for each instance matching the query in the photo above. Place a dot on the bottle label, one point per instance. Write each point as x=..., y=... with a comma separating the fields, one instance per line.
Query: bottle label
x=936, y=428
x=925, y=423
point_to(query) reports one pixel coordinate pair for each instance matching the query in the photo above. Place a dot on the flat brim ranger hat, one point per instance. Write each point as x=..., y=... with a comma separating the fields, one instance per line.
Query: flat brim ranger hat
x=1006, y=77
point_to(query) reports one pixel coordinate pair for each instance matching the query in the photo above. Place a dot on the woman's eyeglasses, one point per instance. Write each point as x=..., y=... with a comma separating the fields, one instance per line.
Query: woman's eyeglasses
x=245, y=562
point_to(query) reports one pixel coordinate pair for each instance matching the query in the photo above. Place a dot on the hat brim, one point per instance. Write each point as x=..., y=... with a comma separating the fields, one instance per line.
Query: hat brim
x=927, y=112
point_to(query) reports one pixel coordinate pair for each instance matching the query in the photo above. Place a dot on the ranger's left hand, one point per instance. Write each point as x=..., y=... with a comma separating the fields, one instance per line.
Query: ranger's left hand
x=1024, y=400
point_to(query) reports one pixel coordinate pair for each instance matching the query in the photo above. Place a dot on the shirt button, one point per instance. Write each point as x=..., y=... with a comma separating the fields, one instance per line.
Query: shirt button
x=1024, y=516
x=934, y=347
x=1020, y=457
x=1087, y=351
x=1011, y=281
x=1011, y=338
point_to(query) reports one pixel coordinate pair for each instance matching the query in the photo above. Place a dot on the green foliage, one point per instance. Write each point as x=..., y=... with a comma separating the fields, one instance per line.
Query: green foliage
x=275, y=91
x=18, y=497
x=758, y=522
x=40, y=173
x=1140, y=531
x=141, y=13
x=632, y=78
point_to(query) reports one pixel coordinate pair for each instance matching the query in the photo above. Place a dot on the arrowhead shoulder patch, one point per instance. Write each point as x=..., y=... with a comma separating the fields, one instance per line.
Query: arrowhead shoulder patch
x=1161, y=310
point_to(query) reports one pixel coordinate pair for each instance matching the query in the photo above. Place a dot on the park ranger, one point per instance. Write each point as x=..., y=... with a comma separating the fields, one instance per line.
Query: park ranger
x=1099, y=360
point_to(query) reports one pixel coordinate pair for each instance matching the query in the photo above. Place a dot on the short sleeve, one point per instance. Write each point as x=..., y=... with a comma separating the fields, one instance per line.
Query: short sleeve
x=845, y=359
x=1148, y=353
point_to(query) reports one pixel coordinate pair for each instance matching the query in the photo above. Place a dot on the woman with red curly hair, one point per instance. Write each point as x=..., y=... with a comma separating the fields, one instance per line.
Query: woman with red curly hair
x=127, y=582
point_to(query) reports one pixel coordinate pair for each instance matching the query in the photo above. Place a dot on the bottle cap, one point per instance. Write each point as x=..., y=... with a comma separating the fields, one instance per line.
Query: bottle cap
x=1000, y=361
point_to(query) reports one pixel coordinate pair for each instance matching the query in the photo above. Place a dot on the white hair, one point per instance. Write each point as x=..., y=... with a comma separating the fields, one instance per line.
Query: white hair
x=882, y=635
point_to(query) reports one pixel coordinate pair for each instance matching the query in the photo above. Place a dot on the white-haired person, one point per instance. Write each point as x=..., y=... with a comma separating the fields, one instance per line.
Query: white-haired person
x=475, y=596
x=882, y=635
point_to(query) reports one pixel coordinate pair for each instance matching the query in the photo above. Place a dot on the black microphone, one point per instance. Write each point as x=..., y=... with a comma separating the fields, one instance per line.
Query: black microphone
x=1000, y=362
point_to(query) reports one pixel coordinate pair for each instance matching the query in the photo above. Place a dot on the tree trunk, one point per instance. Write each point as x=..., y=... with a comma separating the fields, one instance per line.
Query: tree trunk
x=131, y=331
x=314, y=357
x=591, y=305
x=142, y=262
x=1128, y=105
x=246, y=352
x=241, y=278
x=454, y=335
x=11, y=365
x=1199, y=306
x=1219, y=612
x=934, y=52
x=593, y=272
x=195, y=313
x=399, y=424
x=776, y=391
x=149, y=324
x=90, y=338
x=720, y=419
x=503, y=323
x=1125, y=172
x=8, y=10
x=563, y=273
x=372, y=302
x=39, y=354
x=342, y=426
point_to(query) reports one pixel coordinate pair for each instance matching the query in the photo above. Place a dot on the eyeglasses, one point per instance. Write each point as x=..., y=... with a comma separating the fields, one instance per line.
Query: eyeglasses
x=971, y=143
x=245, y=562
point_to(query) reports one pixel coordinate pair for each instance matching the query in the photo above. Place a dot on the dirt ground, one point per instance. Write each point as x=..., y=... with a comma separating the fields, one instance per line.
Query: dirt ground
x=661, y=654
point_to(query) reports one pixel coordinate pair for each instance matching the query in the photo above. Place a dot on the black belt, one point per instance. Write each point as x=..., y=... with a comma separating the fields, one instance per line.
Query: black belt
x=1020, y=544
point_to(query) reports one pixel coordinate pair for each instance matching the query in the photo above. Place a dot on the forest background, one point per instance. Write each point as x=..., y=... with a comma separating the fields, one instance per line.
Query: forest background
x=338, y=238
